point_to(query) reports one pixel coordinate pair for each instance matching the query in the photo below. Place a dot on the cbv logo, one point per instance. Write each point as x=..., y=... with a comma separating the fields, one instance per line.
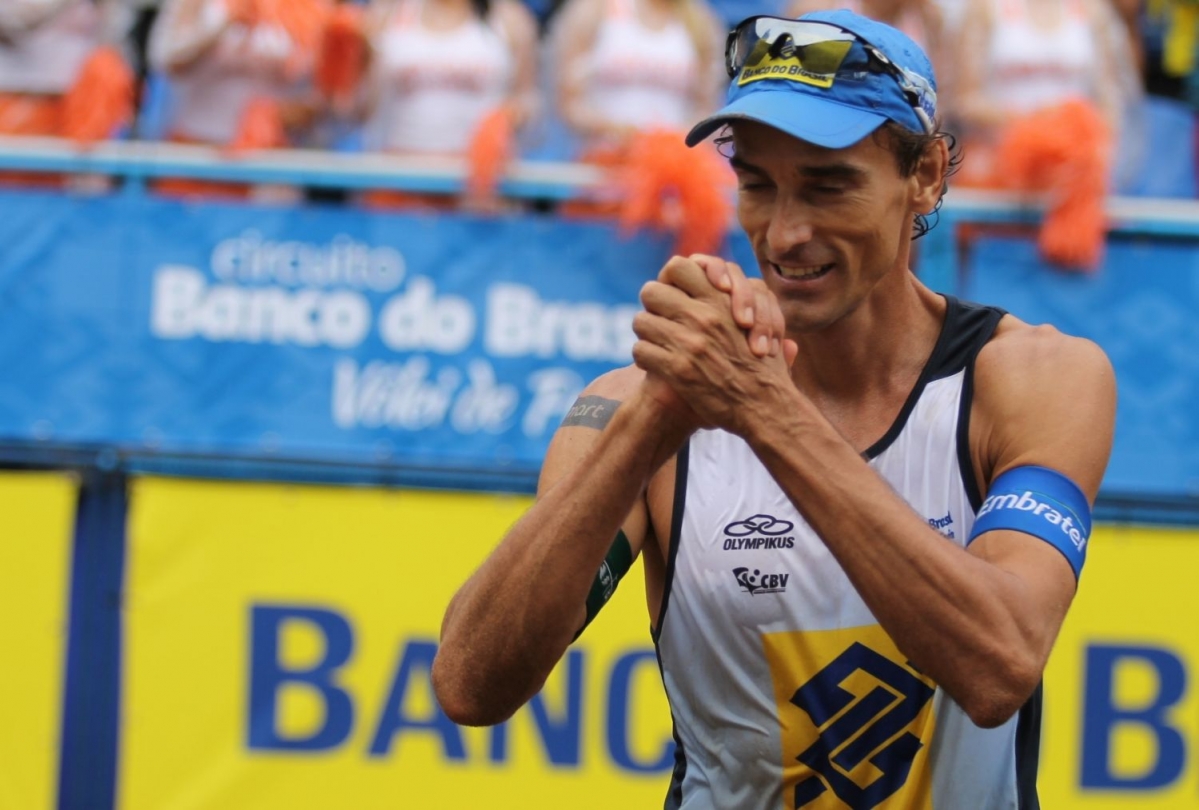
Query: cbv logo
x=856, y=728
x=756, y=582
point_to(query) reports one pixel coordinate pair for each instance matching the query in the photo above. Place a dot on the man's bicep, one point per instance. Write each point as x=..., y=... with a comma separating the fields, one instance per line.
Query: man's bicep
x=1048, y=413
x=575, y=439
x=572, y=447
x=1051, y=403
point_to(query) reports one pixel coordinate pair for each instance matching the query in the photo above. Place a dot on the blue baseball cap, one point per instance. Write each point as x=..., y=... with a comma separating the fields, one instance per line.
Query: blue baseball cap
x=828, y=77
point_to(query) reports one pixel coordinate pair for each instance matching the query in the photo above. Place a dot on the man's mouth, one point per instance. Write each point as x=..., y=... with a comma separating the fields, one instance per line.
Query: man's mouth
x=805, y=273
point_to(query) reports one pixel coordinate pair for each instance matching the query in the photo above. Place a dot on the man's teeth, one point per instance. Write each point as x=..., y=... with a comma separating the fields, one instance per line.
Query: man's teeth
x=801, y=272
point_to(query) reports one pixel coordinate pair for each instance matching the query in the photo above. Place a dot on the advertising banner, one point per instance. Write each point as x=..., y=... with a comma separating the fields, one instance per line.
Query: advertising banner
x=447, y=343
x=278, y=649
x=1140, y=307
x=35, y=576
x=328, y=334
x=279, y=640
x=1121, y=726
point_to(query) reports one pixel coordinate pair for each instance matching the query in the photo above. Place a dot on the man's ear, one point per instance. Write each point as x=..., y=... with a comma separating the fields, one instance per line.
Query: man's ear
x=928, y=181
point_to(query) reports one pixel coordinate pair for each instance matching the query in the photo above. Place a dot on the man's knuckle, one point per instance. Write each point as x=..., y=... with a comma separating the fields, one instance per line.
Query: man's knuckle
x=694, y=345
x=706, y=320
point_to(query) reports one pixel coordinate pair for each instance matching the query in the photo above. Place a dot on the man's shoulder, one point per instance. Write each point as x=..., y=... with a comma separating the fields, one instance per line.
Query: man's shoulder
x=1019, y=351
x=618, y=384
x=1035, y=378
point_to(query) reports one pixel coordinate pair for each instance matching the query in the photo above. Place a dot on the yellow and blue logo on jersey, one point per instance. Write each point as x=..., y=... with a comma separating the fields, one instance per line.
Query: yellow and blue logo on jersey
x=855, y=720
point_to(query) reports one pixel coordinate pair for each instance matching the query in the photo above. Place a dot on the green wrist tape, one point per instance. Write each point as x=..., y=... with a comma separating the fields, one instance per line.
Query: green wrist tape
x=614, y=566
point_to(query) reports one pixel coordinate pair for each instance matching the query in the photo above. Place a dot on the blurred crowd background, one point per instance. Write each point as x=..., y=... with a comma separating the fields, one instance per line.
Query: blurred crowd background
x=1109, y=87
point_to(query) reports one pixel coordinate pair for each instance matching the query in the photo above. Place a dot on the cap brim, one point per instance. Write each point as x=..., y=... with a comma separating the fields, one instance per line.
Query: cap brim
x=809, y=118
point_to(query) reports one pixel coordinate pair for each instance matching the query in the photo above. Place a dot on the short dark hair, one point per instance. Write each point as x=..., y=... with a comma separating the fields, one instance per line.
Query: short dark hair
x=909, y=149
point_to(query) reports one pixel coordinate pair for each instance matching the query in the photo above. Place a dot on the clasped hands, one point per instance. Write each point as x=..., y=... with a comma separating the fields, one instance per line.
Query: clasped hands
x=712, y=344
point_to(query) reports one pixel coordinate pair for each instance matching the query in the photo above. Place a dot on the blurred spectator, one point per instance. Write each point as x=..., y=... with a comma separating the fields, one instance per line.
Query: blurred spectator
x=58, y=75
x=449, y=78
x=1044, y=87
x=1021, y=56
x=632, y=76
x=919, y=19
x=238, y=70
x=627, y=66
x=922, y=20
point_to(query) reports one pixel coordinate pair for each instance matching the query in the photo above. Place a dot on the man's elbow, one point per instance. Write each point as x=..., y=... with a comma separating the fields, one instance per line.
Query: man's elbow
x=466, y=703
x=990, y=713
x=996, y=699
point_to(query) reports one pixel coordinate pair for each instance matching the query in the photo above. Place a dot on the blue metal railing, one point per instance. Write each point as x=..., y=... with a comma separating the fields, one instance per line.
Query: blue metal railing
x=138, y=161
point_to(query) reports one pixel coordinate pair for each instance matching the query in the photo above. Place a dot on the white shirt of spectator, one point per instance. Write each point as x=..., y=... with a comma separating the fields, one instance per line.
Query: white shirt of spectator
x=209, y=97
x=433, y=88
x=45, y=43
x=1032, y=67
x=639, y=76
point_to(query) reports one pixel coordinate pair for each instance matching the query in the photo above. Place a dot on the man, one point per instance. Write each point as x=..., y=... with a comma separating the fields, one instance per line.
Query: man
x=859, y=543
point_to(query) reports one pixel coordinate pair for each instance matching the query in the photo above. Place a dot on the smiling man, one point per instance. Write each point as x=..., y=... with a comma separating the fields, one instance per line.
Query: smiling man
x=862, y=507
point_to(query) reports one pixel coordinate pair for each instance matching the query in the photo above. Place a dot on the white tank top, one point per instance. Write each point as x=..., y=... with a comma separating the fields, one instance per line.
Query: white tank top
x=209, y=98
x=639, y=76
x=784, y=690
x=435, y=87
x=1031, y=67
x=47, y=58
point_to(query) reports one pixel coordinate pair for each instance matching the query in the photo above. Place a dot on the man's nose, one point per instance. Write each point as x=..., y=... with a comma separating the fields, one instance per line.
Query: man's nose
x=790, y=226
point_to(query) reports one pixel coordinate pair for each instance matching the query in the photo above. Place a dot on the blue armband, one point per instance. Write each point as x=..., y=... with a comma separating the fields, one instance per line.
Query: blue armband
x=1041, y=502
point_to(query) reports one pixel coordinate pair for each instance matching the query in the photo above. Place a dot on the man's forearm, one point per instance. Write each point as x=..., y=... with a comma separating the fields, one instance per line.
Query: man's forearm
x=511, y=622
x=955, y=615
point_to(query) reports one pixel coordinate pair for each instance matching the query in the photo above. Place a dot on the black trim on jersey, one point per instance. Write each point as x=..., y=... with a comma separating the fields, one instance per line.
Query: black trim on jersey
x=676, y=528
x=1028, y=751
x=674, y=791
x=966, y=328
x=989, y=318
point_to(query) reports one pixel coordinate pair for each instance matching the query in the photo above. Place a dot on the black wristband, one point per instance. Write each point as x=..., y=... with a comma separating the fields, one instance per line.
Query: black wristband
x=615, y=565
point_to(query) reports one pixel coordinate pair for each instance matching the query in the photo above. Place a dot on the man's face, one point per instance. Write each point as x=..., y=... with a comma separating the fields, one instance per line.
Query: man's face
x=826, y=225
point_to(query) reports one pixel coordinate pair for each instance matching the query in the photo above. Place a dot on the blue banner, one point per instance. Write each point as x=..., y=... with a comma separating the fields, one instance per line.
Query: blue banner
x=1140, y=307
x=311, y=333
x=446, y=342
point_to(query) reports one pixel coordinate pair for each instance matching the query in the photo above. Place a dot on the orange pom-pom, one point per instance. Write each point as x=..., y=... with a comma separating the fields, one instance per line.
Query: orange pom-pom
x=489, y=151
x=668, y=184
x=304, y=20
x=100, y=100
x=1065, y=152
x=260, y=127
x=341, y=55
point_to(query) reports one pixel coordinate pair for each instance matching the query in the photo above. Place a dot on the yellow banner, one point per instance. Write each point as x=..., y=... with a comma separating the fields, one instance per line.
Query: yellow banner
x=1122, y=718
x=35, y=572
x=279, y=638
x=278, y=643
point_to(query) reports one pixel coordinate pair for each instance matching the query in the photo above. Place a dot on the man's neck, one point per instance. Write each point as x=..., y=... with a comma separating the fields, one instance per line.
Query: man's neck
x=881, y=346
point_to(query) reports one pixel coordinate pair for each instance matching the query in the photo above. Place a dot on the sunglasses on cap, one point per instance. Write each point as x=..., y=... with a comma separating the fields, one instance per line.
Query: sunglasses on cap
x=815, y=53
